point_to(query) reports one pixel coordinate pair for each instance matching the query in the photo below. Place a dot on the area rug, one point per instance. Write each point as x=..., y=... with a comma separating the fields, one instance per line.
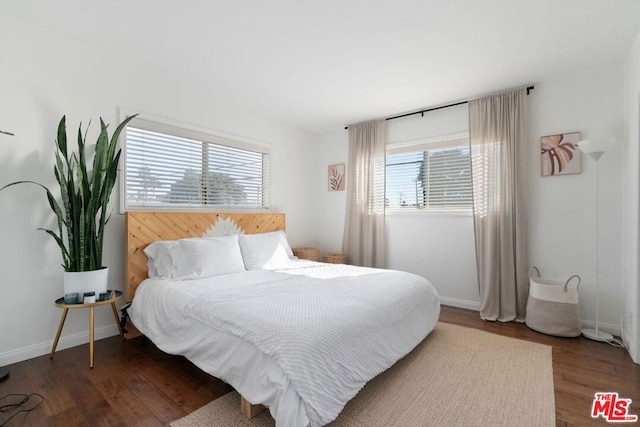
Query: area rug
x=456, y=377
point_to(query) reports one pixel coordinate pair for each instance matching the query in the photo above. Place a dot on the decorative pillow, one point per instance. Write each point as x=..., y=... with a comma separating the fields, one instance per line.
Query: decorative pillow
x=265, y=251
x=194, y=258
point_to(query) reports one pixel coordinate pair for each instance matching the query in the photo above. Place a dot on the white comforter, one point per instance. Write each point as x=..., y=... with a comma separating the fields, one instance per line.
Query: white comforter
x=292, y=339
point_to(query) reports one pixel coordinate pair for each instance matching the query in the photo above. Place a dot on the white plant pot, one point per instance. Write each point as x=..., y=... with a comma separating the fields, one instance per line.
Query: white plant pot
x=86, y=281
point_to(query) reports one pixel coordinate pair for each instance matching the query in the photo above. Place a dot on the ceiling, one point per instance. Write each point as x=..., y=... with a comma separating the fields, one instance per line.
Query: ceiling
x=319, y=65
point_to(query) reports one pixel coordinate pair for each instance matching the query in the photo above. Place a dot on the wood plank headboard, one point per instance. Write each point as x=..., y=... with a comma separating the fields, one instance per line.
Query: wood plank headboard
x=144, y=228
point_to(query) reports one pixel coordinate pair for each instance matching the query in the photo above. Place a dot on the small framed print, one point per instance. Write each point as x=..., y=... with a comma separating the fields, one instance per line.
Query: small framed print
x=336, y=177
x=560, y=154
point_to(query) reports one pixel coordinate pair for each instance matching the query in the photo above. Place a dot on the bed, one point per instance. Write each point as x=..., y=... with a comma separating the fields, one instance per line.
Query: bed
x=299, y=337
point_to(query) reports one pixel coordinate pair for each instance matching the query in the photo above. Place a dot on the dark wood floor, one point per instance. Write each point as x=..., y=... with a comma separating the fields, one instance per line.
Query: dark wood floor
x=135, y=384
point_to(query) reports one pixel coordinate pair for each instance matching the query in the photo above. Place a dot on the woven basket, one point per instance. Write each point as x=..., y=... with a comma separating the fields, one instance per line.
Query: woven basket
x=553, y=306
x=335, y=258
x=312, y=254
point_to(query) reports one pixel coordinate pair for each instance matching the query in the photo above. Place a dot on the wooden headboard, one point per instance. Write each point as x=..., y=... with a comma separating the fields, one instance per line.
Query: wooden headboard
x=144, y=228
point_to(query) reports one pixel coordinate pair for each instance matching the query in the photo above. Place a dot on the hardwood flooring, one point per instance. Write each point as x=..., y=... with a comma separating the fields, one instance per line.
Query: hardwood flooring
x=581, y=367
x=135, y=384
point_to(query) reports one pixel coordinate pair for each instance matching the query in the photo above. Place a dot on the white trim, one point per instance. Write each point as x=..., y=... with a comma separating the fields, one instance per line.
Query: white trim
x=430, y=144
x=460, y=303
x=244, y=143
x=126, y=112
x=428, y=212
x=200, y=209
x=199, y=135
x=36, y=350
x=626, y=339
x=475, y=306
x=430, y=140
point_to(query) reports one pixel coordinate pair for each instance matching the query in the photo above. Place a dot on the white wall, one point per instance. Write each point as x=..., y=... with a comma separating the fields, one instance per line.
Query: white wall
x=43, y=76
x=437, y=246
x=561, y=208
x=631, y=294
x=560, y=212
x=328, y=206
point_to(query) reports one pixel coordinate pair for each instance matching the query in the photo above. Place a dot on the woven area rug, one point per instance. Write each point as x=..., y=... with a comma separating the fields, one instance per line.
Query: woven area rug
x=456, y=377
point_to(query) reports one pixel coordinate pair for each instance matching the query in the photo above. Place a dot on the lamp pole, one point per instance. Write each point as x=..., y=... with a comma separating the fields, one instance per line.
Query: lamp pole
x=595, y=150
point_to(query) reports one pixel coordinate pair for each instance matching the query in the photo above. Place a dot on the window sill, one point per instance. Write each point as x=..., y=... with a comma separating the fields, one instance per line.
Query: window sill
x=428, y=212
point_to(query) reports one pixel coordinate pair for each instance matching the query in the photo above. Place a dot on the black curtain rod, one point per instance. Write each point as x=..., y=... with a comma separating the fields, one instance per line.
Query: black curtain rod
x=421, y=112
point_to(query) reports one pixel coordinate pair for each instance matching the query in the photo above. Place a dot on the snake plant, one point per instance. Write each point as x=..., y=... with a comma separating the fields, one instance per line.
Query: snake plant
x=84, y=194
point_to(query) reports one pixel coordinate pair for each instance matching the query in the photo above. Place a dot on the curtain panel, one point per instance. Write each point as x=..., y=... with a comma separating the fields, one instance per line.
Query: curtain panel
x=364, y=241
x=497, y=135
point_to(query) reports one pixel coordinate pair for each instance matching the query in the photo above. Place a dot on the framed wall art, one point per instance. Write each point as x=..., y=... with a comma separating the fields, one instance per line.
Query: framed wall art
x=560, y=154
x=336, y=177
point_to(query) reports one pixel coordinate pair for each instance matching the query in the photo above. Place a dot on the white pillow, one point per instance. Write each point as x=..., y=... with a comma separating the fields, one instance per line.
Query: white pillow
x=206, y=257
x=194, y=258
x=265, y=251
x=159, y=261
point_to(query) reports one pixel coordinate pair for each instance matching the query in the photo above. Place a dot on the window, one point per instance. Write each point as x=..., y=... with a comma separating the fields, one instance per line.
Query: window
x=431, y=176
x=168, y=167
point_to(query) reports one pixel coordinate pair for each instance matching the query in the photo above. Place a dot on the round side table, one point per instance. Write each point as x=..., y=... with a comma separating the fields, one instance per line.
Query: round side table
x=60, y=303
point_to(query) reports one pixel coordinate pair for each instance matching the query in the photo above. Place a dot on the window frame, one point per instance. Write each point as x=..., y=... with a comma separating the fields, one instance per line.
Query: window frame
x=426, y=144
x=183, y=130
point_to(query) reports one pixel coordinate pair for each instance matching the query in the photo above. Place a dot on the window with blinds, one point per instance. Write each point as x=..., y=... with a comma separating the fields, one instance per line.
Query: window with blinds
x=172, y=168
x=430, y=176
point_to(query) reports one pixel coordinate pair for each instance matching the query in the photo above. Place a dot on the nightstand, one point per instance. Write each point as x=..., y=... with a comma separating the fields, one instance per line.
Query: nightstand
x=335, y=259
x=312, y=254
x=60, y=303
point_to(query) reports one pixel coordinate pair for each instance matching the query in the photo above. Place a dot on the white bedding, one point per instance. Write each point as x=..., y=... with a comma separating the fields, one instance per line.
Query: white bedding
x=291, y=339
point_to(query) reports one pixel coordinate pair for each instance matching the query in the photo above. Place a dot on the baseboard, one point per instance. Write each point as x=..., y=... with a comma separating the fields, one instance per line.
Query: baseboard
x=29, y=352
x=460, y=303
x=74, y=340
x=475, y=306
x=628, y=344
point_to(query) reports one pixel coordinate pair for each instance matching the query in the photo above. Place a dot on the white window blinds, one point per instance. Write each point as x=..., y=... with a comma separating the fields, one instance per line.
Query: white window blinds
x=173, y=168
x=433, y=176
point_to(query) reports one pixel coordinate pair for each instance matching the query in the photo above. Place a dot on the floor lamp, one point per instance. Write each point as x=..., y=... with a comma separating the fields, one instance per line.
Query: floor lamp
x=595, y=148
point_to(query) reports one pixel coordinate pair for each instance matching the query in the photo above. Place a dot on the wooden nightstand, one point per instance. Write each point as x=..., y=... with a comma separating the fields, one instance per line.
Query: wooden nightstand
x=335, y=258
x=60, y=303
x=312, y=254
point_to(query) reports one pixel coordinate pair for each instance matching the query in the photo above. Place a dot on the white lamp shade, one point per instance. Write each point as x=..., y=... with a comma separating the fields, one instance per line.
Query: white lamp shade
x=595, y=148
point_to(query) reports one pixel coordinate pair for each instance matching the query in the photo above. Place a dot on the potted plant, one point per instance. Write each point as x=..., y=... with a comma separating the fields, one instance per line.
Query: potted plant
x=83, y=211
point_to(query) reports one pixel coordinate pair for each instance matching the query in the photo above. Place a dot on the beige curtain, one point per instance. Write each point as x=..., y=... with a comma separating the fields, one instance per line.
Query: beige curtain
x=497, y=134
x=364, y=240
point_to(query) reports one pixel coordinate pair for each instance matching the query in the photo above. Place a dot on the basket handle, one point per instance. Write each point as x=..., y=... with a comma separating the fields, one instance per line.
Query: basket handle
x=533, y=267
x=569, y=279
